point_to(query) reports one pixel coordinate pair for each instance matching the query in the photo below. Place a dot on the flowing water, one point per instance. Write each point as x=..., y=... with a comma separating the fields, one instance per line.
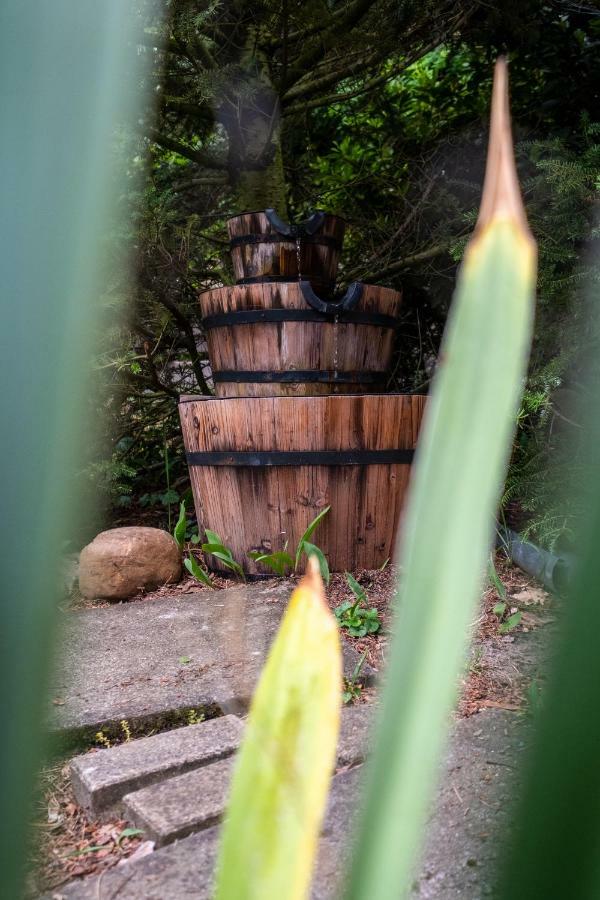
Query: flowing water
x=298, y=257
x=335, y=350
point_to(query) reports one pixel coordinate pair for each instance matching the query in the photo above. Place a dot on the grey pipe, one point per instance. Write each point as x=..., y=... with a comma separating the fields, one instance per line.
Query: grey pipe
x=553, y=571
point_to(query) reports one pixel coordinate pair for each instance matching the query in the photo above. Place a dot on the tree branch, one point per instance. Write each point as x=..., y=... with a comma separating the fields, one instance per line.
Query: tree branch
x=314, y=85
x=314, y=51
x=187, y=333
x=197, y=156
x=409, y=261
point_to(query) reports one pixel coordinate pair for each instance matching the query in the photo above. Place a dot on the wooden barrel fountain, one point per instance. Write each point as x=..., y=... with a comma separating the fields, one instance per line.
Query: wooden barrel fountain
x=265, y=248
x=262, y=469
x=270, y=340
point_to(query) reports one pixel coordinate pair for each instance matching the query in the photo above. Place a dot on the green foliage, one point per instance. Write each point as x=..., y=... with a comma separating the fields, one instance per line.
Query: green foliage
x=352, y=687
x=507, y=622
x=281, y=561
x=447, y=532
x=495, y=580
x=283, y=768
x=181, y=526
x=215, y=547
x=353, y=616
x=308, y=534
x=195, y=569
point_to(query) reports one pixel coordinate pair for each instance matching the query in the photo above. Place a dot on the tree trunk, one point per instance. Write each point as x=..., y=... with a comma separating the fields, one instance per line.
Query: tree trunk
x=250, y=114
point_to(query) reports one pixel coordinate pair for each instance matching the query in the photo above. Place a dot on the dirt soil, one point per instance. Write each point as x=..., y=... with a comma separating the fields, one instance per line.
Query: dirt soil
x=498, y=673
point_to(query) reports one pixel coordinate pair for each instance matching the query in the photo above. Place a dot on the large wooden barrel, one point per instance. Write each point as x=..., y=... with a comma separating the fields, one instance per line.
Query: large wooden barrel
x=265, y=340
x=262, y=469
x=265, y=249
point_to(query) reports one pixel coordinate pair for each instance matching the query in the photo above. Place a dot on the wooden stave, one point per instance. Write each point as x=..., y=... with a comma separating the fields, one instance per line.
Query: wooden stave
x=318, y=262
x=289, y=346
x=359, y=532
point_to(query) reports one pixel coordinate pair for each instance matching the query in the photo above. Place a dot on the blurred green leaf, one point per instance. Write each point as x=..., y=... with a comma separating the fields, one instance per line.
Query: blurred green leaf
x=280, y=784
x=448, y=525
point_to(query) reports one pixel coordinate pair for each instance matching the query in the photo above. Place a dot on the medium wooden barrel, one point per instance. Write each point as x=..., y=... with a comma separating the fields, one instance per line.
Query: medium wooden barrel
x=265, y=249
x=262, y=469
x=265, y=340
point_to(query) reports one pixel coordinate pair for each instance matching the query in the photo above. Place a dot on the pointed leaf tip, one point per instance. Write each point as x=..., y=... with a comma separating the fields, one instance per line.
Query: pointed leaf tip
x=312, y=577
x=501, y=196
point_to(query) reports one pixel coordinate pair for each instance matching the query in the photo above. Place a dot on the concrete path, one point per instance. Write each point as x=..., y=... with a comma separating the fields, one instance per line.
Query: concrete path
x=142, y=659
x=464, y=841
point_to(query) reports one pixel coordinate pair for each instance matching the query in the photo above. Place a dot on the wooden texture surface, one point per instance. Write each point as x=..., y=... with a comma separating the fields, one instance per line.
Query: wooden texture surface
x=318, y=262
x=262, y=508
x=284, y=346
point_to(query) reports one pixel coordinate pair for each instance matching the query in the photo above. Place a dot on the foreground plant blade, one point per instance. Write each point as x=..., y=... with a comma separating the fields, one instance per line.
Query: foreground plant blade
x=281, y=780
x=447, y=531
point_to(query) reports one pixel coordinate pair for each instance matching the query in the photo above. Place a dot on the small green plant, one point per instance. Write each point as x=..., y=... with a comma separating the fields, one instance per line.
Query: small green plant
x=495, y=579
x=217, y=548
x=353, y=616
x=281, y=561
x=195, y=569
x=126, y=729
x=194, y=717
x=103, y=740
x=507, y=623
x=352, y=687
x=180, y=527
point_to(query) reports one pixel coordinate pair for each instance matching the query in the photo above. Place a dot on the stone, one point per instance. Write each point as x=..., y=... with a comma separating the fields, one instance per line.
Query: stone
x=122, y=561
x=195, y=800
x=140, y=660
x=356, y=730
x=179, y=806
x=101, y=779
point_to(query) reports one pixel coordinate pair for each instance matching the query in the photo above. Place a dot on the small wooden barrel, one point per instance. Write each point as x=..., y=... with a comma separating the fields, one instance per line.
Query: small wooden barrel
x=260, y=252
x=264, y=340
x=262, y=469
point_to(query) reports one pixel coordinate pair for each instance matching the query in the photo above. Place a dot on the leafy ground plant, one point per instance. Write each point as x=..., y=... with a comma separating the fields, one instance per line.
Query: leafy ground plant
x=281, y=562
x=508, y=617
x=215, y=547
x=190, y=562
x=507, y=622
x=353, y=616
x=352, y=687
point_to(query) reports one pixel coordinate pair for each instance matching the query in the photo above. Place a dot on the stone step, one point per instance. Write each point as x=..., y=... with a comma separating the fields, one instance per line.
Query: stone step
x=181, y=805
x=186, y=803
x=183, y=870
x=100, y=780
x=465, y=834
x=143, y=660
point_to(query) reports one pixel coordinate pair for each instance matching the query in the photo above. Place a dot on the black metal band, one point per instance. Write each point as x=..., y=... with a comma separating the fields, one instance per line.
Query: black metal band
x=298, y=376
x=326, y=240
x=300, y=458
x=257, y=316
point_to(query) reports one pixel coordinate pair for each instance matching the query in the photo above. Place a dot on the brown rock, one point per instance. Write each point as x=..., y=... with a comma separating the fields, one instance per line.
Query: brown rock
x=122, y=561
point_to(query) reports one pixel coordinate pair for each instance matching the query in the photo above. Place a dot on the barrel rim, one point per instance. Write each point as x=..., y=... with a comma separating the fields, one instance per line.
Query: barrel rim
x=194, y=398
x=274, y=284
x=251, y=212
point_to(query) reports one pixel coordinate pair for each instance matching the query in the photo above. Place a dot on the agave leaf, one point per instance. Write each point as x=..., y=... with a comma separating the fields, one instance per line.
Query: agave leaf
x=280, y=784
x=448, y=525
